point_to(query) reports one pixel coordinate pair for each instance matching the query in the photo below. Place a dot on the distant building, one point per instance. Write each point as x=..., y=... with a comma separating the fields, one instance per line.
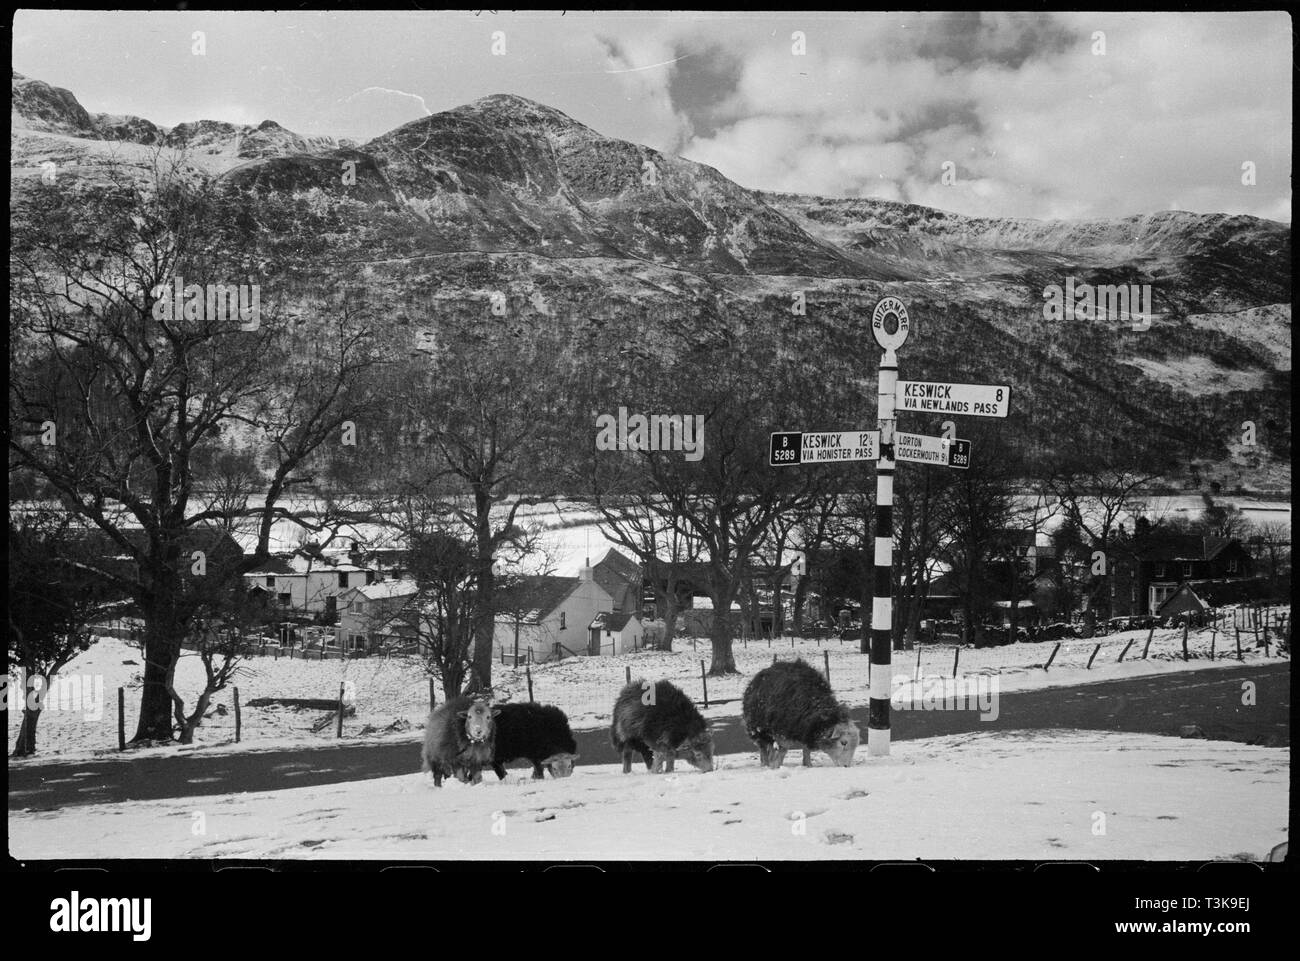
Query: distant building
x=1219, y=569
x=1182, y=601
x=306, y=584
x=371, y=617
x=616, y=633
x=551, y=616
x=621, y=578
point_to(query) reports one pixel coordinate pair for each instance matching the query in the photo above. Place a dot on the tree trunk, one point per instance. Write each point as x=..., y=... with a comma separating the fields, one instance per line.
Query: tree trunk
x=188, y=725
x=162, y=647
x=800, y=598
x=480, y=674
x=26, y=743
x=724, y=661
x=670, y=615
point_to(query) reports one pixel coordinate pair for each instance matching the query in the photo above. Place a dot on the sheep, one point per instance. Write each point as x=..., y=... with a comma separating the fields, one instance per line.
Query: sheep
x=790, y=704
x=660, y=723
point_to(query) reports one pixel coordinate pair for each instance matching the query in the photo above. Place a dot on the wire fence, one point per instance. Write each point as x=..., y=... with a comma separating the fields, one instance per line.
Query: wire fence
x=285, y=695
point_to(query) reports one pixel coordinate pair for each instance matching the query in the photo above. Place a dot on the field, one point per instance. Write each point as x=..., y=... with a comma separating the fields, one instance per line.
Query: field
x=390, y=695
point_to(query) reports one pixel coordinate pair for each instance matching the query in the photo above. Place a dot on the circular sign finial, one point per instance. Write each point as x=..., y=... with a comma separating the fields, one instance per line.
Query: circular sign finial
x=890, y=305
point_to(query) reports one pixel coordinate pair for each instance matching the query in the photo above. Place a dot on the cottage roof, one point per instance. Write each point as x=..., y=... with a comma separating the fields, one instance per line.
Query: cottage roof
x=535, y=596
x=611, y=621
x=1187, y=547
x=1183, y=592
x=272, y=565
x=381, y=590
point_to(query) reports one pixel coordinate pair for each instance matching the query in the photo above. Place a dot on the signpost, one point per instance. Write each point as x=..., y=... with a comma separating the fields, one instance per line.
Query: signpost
x=975, y=400
x=882, y=600
x=790, y=448
x=886, y=446
x=923, y=449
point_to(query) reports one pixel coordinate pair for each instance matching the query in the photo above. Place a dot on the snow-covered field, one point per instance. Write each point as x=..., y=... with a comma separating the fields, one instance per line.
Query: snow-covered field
x=1041, y=796
x=391, y=695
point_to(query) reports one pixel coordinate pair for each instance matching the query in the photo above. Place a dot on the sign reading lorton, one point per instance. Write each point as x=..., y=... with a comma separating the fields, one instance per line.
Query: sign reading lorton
x=924, y=449
x=977, y=400
x=827, y=447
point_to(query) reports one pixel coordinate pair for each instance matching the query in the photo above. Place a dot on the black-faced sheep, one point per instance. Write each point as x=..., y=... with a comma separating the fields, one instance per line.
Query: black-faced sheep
x=790, y=705
x=660, y=723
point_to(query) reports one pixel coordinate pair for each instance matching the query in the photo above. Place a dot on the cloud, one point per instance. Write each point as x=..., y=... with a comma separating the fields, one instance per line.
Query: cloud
x=1037, y=122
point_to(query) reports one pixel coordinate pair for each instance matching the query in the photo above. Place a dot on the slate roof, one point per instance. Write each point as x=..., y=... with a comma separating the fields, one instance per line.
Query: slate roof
x=612, y=622
x=1187, y=547
x=273, y=565
x=535, y=596
x=384, y=589
x=617, y=575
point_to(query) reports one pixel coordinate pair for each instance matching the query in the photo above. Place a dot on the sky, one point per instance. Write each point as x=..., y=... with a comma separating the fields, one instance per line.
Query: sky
x=1069, y=115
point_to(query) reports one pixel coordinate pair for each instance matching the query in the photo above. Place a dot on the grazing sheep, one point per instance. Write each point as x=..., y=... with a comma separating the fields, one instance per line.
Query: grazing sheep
x=538, y=733
x=660, y=723
x=458, y=739
x=790, y=705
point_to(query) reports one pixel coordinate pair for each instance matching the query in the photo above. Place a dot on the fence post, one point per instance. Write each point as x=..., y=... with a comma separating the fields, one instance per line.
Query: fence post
x=528, y=673
x=1266, y=613
x=956, y=656
x=238, y=716
x=339, y=733
x=121, y=719
x=826, y=655
x=1212, y=636
x=1052, y=656
x=1186, y=623
x=1237, y=631
x=1147, y=646
x=433, y=700
x=918, y=662
x=1094, y=654
x=705, y=678
x=1125, y=651
x=627, y=673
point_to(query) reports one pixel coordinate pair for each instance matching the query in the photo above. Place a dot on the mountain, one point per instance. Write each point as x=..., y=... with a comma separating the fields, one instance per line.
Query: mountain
x=508, y=195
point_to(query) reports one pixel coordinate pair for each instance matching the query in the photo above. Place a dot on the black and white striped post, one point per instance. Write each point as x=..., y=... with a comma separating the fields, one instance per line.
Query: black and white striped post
x=882, y=606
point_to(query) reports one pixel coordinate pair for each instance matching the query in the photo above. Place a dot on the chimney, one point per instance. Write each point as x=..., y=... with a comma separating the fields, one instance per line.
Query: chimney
x=584, y=572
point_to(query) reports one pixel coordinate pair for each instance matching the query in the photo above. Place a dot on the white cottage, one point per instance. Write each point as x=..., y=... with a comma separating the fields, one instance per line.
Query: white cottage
x=550, y=615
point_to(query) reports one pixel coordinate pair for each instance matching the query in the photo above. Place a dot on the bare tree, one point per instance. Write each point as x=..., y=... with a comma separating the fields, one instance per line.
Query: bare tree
x=1094, y=495
x=644, y=524
x=491, y=412
x=53, y=599
x=125, y=390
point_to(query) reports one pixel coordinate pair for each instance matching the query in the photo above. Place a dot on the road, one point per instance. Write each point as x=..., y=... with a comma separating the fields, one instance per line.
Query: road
x=1157, y=704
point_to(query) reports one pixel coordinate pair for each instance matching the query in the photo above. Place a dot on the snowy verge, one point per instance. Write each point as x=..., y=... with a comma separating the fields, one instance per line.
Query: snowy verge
x=1044, y=795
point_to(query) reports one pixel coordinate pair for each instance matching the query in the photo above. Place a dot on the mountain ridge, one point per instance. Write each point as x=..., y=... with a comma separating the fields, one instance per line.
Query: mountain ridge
x=512, y=189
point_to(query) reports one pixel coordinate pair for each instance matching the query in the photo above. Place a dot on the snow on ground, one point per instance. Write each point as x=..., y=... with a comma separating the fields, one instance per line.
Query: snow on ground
x=1023, y=795
x=391, y=694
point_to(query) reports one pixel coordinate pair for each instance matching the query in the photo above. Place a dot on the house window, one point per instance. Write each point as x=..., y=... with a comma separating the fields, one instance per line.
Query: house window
x=1160, y=570
x=1233, y=566
x=270, y=580
x=343, y=580
x=359, y=606
x=561, y=620
x=1187, y=570
x=286, y=599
